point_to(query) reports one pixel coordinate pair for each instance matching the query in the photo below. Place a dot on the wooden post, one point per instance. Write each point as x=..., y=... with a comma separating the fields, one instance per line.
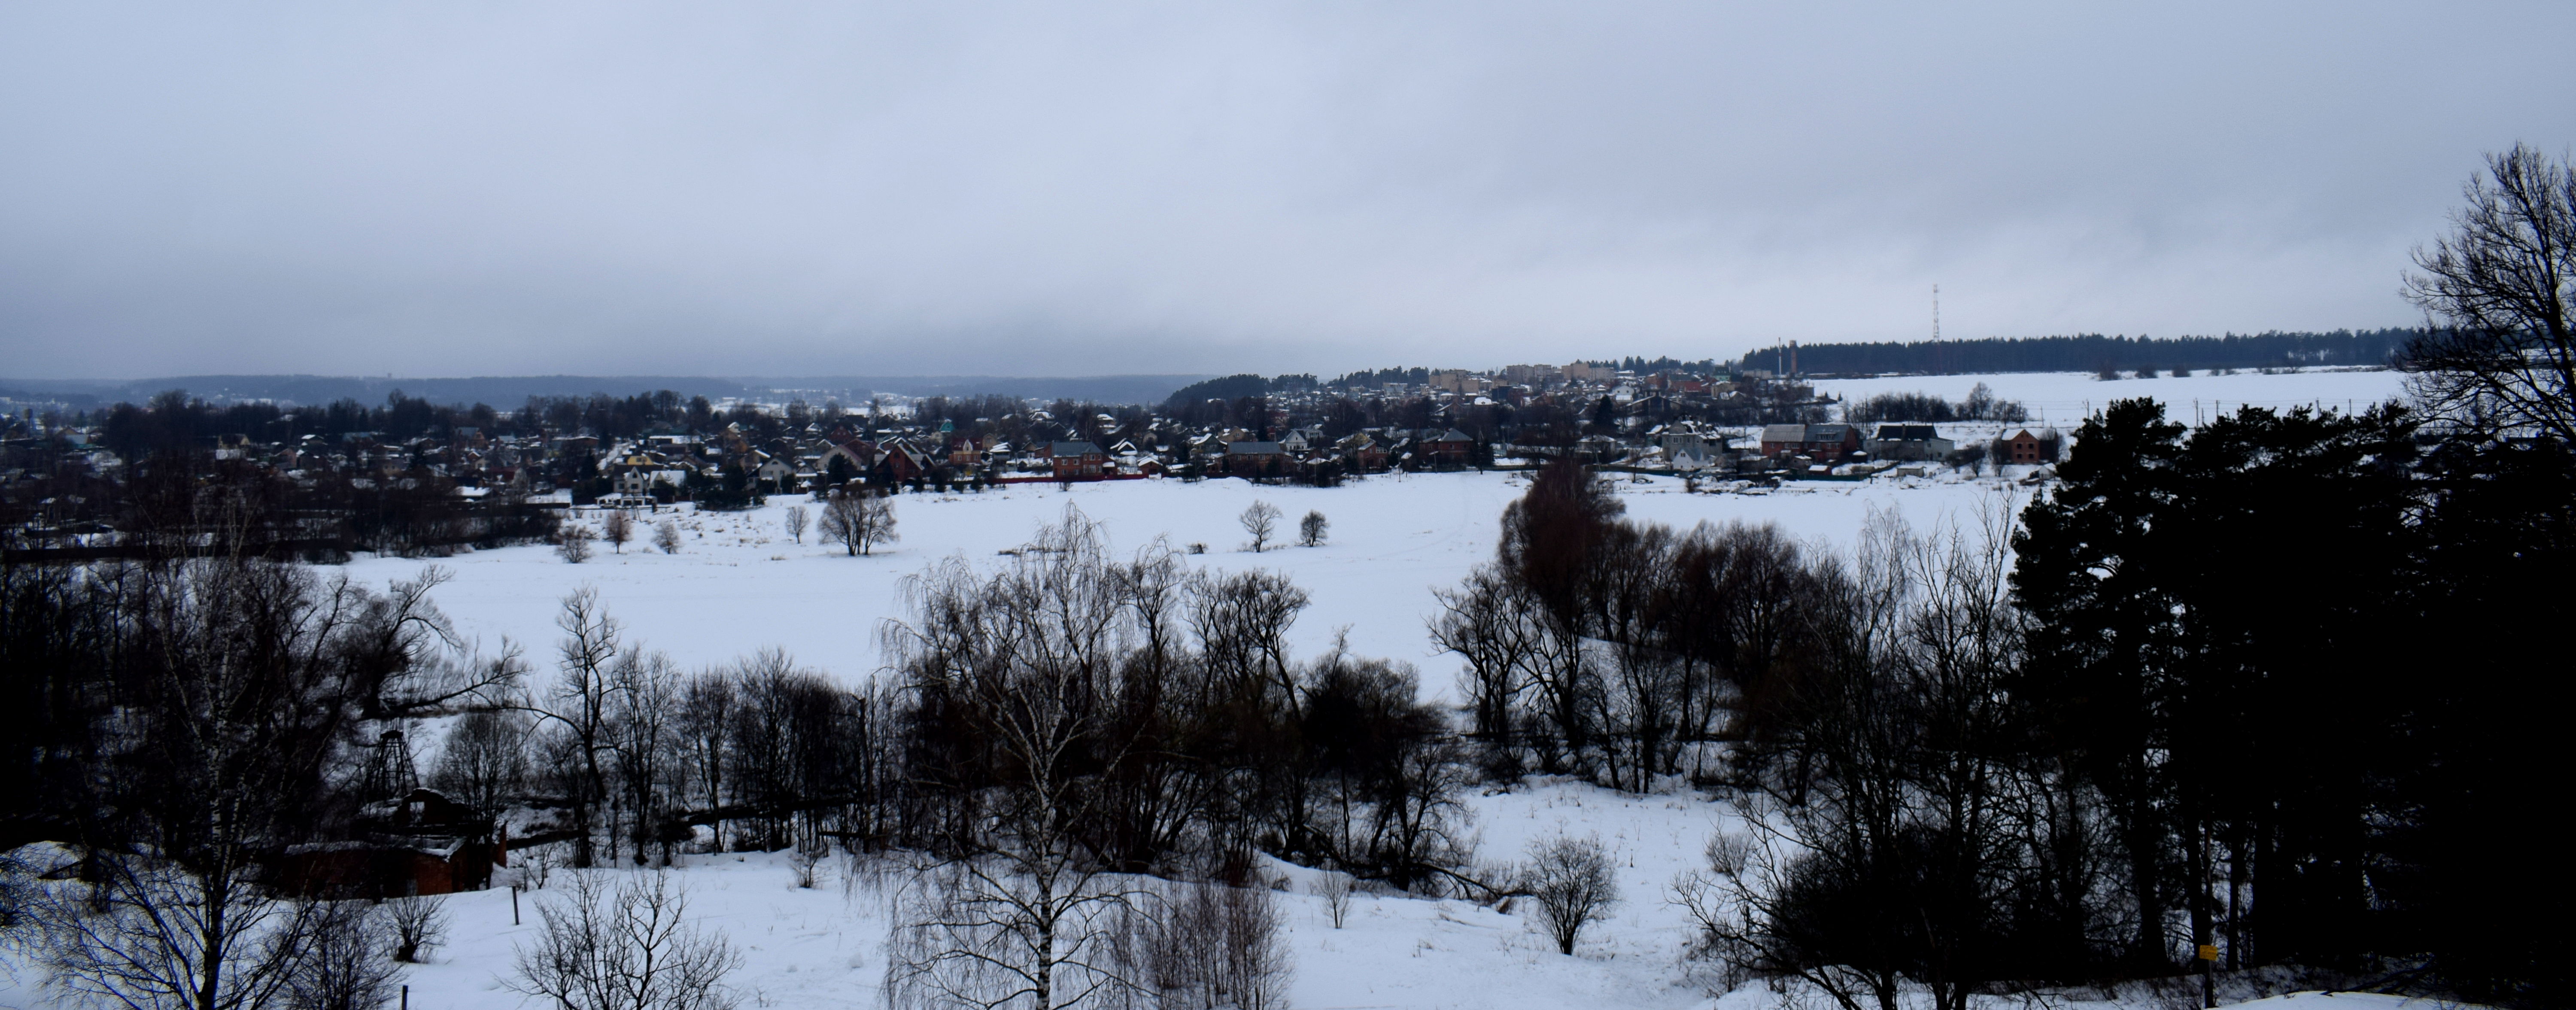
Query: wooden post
x=514, y=904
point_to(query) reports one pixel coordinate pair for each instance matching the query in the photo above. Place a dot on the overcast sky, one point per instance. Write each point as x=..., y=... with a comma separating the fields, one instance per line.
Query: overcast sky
x=1057, y=189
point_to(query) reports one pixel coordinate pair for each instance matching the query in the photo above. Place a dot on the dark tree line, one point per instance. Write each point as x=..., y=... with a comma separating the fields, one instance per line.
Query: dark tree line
x=1373, y=379
x=2089, y=353
x=171, y=505
x=1618, y=650
x=2256, y=687
x=1979, y=405
x=175, y=726
x=1154, y=719
x=2248, y=639
x=174, y=422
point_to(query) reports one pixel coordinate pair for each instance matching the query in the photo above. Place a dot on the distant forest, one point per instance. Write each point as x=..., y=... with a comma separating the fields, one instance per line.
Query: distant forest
x=2089, y=353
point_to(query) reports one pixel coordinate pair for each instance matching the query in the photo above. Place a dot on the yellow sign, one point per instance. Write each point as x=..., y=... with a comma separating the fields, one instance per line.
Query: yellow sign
x=2209, y=952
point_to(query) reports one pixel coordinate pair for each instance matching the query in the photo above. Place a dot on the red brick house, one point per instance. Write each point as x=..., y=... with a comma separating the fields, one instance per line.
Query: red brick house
x=1256, y=459
x=420, y=843
x=1445, y=448
x=2024, y=447
x=902, y=461
x=1827, y=442
x=1077, y=460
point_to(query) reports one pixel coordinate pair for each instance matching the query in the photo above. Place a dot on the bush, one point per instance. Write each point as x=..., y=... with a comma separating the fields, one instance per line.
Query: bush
x=625, y=947
x=1335, y=889
x=344, y=964
x=572, y=543
x=1206, y=944
x=1569, y=880
x=417, y=922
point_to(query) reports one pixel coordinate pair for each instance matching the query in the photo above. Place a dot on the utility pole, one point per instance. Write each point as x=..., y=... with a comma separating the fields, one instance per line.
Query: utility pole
x=1936, y=312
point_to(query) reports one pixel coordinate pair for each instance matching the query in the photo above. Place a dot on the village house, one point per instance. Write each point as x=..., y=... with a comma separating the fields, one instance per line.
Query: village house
x=1076, y=460
x=900, y=461
x=1827, y=442
x=1444, y=448
x=1363, y=452
x=2024, y=447
x=1255, y=459
x=419, y=843
x=1687, y=449
x=1909, y=442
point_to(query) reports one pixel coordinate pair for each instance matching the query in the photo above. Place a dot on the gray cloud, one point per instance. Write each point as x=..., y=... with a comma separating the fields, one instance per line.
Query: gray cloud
x=1052, y=189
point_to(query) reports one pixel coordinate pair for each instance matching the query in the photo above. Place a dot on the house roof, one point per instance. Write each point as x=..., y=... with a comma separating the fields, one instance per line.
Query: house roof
x=1253, y=449
x=1907, y=433
x=1784, y=433
x=1073, y=449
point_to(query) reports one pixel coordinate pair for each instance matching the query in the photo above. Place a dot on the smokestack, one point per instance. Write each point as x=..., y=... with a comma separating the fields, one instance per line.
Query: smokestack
x=1793, y=357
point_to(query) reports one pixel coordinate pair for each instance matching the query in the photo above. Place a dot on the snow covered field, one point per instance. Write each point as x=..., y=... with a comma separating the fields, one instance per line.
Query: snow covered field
x=824, y=947
x=2064, y=398
x=739, y=584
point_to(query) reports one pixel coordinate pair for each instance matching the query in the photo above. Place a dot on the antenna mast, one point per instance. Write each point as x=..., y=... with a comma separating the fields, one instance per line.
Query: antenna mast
x=1936, y=312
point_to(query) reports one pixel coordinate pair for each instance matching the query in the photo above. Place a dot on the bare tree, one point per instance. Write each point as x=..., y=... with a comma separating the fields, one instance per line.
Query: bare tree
x=704, y=725
x=2502, y=286
x=580, y=704
x=796, y=518
x=617, y=528
x=150, y=934
x=417, y=922
x=344, y=966
x=1260, y=520
x=1335, y=889
x=484, y=762
x=643, y=733
x=842, y=518
x=1311, y=530
x=878, y=522
x=1023, y=661
x=1569, y=879
x=667, y=536
x=805, y=864
x=625, y=946
x=572, y=543
x=858, y=521
x=237, y=683
x=1203, y=944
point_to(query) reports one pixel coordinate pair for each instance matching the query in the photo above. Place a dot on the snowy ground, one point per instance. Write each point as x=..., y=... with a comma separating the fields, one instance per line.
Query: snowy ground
x=2064, y=398
x=825, y=947
x=809, y=949
x=739, y=585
